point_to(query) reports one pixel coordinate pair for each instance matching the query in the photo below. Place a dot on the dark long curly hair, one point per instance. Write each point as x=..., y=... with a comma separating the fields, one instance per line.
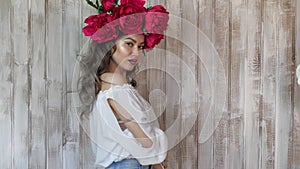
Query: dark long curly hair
x=93, y=64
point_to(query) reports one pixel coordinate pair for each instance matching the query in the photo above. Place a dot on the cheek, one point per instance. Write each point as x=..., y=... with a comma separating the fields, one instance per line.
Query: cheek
x=123, y=51
x=120, y=54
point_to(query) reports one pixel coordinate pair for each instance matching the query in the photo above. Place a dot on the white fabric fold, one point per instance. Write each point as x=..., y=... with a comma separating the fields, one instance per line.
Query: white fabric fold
x=110, y=143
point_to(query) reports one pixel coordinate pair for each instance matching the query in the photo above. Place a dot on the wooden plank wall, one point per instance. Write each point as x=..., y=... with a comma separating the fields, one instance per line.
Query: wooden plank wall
x=296, y=118
x=257, y=43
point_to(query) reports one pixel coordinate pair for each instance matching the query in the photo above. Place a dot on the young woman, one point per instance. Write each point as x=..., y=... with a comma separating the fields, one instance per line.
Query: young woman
x=123, y=127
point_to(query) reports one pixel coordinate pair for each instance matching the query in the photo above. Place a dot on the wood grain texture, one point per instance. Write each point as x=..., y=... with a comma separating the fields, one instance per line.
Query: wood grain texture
x=54, y=74
x=189, y=87
x=284, y=87
x=205, y=149
x=256, y=41
x=236, y=105
x=269, y=55
x=37, y=146
x=6, y=77
x=221, y=42
x=21, y=73
x=296, y=118
x=252, y=75
x=173, y=90
x=71, y=47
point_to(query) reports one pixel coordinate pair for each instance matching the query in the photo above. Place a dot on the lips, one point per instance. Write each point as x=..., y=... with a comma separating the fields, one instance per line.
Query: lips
x=132, y=61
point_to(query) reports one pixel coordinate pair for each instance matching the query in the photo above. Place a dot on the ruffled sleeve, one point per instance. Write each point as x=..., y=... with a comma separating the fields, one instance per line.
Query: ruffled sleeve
x=143, y=114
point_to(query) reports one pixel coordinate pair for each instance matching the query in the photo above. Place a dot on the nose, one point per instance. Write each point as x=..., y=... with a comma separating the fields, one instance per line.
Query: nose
x=136, y=50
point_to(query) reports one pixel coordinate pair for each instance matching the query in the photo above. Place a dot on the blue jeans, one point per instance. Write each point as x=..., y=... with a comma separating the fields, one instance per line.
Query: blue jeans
x=128, y=164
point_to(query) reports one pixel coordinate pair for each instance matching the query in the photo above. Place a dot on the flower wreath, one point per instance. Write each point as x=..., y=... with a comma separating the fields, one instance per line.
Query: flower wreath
x=128, y=17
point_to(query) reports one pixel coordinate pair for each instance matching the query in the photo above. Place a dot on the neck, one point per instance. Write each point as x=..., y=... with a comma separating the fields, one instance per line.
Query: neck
x=114, y=68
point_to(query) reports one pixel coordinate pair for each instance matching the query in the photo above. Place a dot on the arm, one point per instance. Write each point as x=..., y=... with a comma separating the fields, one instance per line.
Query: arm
x=132, y=126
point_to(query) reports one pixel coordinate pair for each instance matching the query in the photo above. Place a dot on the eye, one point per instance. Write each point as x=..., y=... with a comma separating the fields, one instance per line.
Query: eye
x=129, y=44
x=141, y=47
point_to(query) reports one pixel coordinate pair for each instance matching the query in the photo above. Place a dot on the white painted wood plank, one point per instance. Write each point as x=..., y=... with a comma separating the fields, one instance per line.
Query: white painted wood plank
x=205, y=148
x=269, y=55
x=284, y=105
x=296, y=129
x=37, y=147
x=87, y=159
x=71, y=134
x=54, y=71
x=252, y=75
x=71, y=42
x=189, y=86
x=221, y=44
x=70, y=158
x=236, y=84
x=173, y=84
x=6, y=99
x=21, y=84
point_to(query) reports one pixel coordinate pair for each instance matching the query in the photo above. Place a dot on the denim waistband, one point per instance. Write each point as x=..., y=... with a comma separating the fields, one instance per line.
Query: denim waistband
x=130, y=163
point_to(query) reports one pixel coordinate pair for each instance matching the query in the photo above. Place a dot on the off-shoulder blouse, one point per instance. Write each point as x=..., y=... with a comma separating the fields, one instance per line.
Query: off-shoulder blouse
x=110, y=143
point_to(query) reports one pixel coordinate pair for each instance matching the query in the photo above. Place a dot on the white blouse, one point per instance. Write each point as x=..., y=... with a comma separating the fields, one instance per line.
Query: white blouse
x=110, y=143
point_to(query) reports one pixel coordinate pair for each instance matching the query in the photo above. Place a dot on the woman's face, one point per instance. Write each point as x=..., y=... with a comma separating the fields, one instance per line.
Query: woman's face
x=128, y=52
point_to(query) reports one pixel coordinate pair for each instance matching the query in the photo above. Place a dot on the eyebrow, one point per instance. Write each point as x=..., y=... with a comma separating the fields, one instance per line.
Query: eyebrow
x=135, y=40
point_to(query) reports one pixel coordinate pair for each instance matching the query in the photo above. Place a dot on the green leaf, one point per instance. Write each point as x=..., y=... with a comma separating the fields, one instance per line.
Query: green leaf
x=150, y=7
x=145, y=31
x=100, y=9
x=91, y=3
x=97, y=3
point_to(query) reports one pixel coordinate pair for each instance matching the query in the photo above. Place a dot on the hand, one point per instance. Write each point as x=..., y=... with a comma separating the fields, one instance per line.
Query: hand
x=162, y=165
x=157, y=166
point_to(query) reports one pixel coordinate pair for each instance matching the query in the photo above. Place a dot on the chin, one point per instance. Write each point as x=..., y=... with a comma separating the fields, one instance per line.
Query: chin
x=129, y=67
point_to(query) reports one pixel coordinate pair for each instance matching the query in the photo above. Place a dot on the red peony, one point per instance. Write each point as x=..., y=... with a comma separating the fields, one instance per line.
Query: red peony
x=156, y=19
x=91, y=19
x=127, y=9
x=134, y=2
x=131, y=18
x=95, y=22
x=153, y=39
x=108, y=5
x=105, y=34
